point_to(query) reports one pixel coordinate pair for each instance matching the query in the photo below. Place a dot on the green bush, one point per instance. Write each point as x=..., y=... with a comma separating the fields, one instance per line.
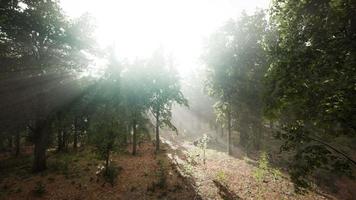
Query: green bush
x=110, y=174
x=161, y=174
x=264, y=169
x=59, y=166
x=39, y=189
x=221, y=176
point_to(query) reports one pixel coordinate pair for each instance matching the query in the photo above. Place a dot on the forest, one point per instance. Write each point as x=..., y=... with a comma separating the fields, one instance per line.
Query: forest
x=268, y=110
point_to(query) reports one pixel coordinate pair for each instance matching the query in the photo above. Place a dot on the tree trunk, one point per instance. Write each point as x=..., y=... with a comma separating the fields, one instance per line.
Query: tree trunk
x=244, y=132
x=17, y=143
x=134, y=137
x=59, y=140
x=157, y=131
x=107, y=160
x=75, y=140
x=10, y=142
x=222, y=131
x=257, y=135
x=65, y=140
x=229, y=132
x=40, y=141
x=271, y=125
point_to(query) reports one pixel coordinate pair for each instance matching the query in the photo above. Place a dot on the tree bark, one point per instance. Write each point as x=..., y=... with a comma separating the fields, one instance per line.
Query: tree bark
x=244, y=132
x=222, y=131
x=107, y=160
x=229, y=132
x=17, y=143
x=75, y=140
x=10, y=142
x=40, y=141
x=157, y=130
x=134, y=137
x=59, y=140
x=65, y=140
x=257, y=135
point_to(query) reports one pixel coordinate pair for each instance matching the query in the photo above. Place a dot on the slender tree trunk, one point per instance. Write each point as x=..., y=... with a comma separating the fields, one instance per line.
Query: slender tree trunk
x=59, y=140
x=40, y=141
x=222, y=131
x=271, y=125
x=17, y=143
x=157, y=130
x=65, y=140
x=257, y=135
x=129, y=138
x=244, y=132
x=10, y=143
x=107, y=160
x=75, y=140
x=134, y=137
x=229, y=131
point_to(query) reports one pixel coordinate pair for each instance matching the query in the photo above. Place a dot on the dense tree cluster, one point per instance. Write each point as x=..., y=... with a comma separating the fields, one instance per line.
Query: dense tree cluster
x=46, y=98
x=296, y=71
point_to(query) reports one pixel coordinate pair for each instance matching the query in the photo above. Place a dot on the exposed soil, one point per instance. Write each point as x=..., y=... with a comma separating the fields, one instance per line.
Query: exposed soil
x=177, y=172
x=139, y=178
x=227, y=177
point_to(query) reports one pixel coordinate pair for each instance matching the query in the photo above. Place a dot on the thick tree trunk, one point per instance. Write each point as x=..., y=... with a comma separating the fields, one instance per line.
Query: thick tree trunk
x=17, y=143
x=134, y=137
x=157, y=130
x=229, y=132
x=40, y=141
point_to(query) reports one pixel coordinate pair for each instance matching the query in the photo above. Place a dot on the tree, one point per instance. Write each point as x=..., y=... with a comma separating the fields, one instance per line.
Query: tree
x=42, y=47
x=219, y=61
x=105, y=132
x=136, y=95
x=311, y=81
x=165, y=90
x=236, y=63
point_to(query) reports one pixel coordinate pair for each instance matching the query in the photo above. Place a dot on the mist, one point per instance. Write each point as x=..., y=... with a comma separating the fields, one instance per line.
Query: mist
x=177, y=99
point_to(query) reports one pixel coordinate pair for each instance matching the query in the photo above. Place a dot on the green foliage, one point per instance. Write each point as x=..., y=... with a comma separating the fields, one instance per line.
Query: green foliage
x=236, y=63
x=311, y=82
x=262, y=168
x=164, y=88
x=111, y=173
x=60, y=164
x=202, y=144
x=221, y=176
x=40, y=189
x=161, y=174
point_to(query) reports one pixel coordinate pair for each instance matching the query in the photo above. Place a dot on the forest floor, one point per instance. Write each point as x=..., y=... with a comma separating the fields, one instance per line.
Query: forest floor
x=239, y=177
x=177, y=172
x=73, y=176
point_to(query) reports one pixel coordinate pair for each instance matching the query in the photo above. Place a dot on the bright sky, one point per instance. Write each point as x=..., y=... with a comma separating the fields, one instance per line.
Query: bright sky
x=138, y=27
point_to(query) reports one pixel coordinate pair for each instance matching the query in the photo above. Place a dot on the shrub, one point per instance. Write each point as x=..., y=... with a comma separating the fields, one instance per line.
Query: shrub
x=110, y=174
x=221, y=176
x=39, y=189
x=161, y=175
x=262, y=168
